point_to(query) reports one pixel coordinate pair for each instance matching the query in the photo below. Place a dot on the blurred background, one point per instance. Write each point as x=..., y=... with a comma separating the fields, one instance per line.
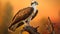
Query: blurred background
x=51, y=8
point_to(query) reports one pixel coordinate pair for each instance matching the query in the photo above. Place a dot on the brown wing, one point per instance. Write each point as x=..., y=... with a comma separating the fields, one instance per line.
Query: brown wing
x=22, y=14
x=32, y=18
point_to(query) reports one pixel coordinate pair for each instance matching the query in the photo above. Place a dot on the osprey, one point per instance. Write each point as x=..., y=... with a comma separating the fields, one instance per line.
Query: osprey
x=23, y=16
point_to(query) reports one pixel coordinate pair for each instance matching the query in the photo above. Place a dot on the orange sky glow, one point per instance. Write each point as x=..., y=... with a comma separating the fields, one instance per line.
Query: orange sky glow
x=45, y=8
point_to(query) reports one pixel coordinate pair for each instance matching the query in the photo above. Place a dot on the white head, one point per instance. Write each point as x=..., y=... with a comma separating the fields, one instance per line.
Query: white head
x=34, y=4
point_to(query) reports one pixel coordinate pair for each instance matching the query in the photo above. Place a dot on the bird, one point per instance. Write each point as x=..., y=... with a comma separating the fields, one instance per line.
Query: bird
x=25, y=14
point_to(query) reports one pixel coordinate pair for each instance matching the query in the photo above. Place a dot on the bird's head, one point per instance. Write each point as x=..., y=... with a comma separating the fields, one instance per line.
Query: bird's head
x=34, y=3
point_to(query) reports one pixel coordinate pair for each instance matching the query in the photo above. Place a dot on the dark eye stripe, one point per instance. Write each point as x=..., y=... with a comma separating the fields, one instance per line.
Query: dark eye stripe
x=34, y=2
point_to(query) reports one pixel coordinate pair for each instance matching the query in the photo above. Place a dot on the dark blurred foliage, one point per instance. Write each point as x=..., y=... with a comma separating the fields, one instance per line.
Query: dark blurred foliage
x=46, y=26
x=7, y=17
x=43, y=23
